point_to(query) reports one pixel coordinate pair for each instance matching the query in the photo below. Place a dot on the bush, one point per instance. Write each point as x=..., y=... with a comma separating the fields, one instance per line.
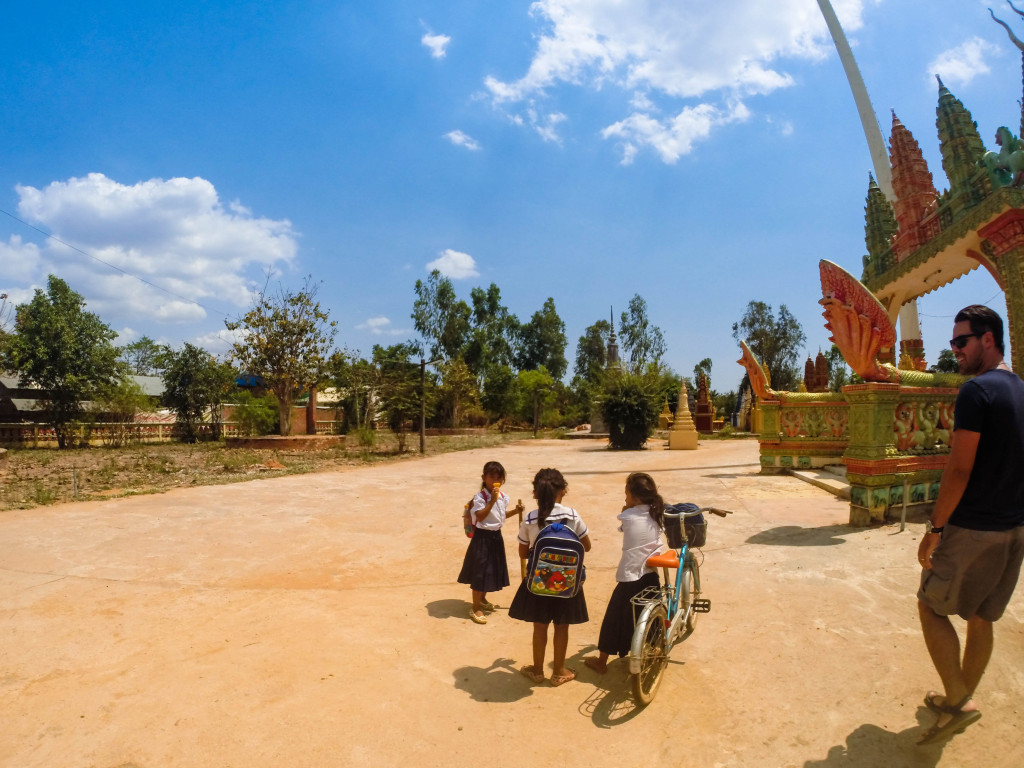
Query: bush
x=630, y=409
x=256, y=415
x=365, y=436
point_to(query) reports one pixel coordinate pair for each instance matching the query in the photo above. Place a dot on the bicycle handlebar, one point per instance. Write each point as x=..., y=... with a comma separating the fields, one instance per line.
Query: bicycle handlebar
x=712, y=510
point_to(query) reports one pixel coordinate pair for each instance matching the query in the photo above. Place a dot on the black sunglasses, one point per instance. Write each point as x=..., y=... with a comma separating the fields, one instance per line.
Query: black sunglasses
x=959, y=342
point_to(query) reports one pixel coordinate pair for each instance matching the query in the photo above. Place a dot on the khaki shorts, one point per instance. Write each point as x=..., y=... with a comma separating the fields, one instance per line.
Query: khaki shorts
x=973, y=572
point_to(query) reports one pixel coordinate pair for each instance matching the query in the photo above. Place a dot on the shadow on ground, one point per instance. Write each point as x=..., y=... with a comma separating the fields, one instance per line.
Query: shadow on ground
x=870, y=746
x=796, y=536
x=500, y=682
x=449, y=608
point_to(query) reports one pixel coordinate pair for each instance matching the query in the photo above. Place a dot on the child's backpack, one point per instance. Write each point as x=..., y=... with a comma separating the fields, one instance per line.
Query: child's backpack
x=555, y=567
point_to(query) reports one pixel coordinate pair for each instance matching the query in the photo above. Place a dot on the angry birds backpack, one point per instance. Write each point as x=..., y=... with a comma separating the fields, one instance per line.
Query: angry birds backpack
x=555, y=566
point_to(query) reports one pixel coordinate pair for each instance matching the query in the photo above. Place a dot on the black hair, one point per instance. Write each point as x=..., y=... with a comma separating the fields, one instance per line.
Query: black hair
x=547, y=484
x=493, y=468
x=642, y=488
x=982, y=320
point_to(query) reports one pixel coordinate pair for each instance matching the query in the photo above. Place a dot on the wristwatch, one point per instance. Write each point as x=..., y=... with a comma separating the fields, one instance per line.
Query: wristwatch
x=933, y=529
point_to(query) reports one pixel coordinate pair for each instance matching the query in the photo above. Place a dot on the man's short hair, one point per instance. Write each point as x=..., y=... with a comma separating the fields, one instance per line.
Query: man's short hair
x=982, y=319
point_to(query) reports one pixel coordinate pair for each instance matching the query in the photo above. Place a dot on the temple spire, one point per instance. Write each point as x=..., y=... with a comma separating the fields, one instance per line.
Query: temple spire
x=913, y=186
x=959, y=141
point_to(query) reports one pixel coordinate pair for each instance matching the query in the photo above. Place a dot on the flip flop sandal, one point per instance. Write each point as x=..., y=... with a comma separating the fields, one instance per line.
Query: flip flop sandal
x=957, y=724
x=932, y=699
x=562, y=679
x=531, y=674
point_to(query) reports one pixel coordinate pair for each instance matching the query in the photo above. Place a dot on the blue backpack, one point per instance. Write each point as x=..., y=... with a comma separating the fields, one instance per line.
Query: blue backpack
x=555, y=567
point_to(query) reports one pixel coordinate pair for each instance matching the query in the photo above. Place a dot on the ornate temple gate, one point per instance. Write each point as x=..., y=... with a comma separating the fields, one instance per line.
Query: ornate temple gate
x=895, y=437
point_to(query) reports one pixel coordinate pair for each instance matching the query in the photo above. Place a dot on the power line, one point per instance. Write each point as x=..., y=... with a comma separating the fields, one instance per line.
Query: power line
x=124, y=272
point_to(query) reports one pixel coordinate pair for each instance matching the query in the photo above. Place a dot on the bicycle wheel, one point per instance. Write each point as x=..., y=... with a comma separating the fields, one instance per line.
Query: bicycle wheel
x=653, y=659
x=689, y=590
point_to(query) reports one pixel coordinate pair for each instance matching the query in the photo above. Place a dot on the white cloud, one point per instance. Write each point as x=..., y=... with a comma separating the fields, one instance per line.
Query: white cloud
x=436, y=44
x=380, y=326
x=454, y=264
x=711, y=55
x=671, y=137
x=19, y=261
x=960, y=65
x=172, y=233
x=460, y=139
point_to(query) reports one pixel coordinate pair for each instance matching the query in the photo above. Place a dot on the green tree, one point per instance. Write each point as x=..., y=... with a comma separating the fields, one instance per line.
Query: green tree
x=704, y=366
x=144, y=357
x=592, y=351
x=286, y=339
x=775, y=340
x=543, y=342
x=642, y=342
x=538, y=387
x=501, y=394
x=64, y=350
x=439, y=317
x=458, y=389
x=195, y=387
x=399, y=391
x=494, y=336
x=117, y=405
x=839, y=373
x=947, y=362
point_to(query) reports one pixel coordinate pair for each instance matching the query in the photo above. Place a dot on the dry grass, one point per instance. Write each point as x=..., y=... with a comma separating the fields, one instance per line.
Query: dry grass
x=30, y=478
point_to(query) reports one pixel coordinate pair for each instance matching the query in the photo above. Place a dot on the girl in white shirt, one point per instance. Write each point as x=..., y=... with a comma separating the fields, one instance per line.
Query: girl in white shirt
x=549, y=488
x=642, y=520
x=485, y=568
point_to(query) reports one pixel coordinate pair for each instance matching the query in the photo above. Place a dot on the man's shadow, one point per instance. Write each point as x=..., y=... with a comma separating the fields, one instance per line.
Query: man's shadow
x=870, y=746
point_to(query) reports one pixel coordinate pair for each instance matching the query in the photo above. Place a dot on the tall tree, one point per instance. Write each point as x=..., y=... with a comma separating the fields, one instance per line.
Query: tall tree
x=543, y=342
x=439, y=317
x=538, y=387
x=643, y=342
x=399, y=391
x=592, y=351
x=775, y=340
x=947, y=362
x=458, y=389
x=287, y=340
x=195, y=386
x=494, y=335
x=64, y=350
x=144, y=357
x=704, y=366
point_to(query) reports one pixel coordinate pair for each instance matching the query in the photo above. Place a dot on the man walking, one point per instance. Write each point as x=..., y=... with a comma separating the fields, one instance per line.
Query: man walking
x=972, y=551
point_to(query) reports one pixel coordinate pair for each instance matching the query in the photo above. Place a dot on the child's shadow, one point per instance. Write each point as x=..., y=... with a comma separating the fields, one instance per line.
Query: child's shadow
x=449, y=609
x=499, y=682
x=611, y=703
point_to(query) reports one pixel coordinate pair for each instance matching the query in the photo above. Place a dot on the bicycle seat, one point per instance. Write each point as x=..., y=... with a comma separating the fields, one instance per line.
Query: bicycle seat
x=666, y=559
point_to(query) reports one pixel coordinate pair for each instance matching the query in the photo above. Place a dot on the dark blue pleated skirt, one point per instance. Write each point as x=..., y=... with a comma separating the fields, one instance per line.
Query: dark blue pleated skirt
x=545, y=609
x=485, y=568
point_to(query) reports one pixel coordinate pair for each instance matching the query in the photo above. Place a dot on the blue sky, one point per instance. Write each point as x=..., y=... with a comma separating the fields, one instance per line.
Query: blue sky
x=701, y=154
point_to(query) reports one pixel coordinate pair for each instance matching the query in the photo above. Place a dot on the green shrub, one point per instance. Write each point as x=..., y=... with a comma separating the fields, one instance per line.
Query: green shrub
x=630, y=409
x=365, y=436
x=256, y=415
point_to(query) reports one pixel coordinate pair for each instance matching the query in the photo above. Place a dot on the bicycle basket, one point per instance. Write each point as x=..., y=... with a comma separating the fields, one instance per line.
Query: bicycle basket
x=696, y=527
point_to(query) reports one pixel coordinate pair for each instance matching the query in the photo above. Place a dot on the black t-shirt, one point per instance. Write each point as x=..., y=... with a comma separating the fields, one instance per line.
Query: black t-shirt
x=992, y=404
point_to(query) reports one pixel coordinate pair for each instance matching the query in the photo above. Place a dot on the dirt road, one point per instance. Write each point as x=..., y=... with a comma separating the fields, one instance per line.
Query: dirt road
x=314, y=620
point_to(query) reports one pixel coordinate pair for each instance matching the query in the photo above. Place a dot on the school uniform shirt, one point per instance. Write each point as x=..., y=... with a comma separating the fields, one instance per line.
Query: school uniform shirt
x=529, y=529
x=496, y=517
x=641, y=538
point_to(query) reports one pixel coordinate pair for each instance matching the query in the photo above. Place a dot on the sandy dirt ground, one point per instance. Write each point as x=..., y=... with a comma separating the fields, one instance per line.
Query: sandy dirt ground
x=315, y=620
